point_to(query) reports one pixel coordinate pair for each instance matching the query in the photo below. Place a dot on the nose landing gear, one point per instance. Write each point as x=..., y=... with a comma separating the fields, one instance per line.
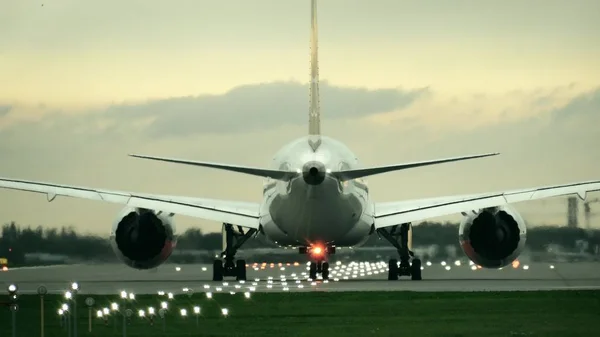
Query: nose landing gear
x=318, y=260
x=320, y=267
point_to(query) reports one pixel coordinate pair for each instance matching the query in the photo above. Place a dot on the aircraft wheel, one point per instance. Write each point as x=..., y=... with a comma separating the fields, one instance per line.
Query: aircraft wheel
x=217, y=270
x=312, y=273
x=325, y=271
x=415, y=270
x=393, y=270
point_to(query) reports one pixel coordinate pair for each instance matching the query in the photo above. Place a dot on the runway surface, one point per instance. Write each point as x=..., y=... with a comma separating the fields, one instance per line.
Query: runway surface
x=354, y=276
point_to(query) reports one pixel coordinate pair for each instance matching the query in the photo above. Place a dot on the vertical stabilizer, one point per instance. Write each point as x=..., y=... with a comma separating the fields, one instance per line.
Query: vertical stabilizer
x=314, y=112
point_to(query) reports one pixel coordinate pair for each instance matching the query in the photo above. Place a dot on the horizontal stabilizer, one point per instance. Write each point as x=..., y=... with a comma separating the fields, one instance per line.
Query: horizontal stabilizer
x=267, y=173
x=369, y=171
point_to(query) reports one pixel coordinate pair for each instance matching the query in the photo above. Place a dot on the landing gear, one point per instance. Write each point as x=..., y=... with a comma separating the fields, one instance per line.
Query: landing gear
x=228, y=266
x=399, y=238
x=318, y=265
x=395, y=270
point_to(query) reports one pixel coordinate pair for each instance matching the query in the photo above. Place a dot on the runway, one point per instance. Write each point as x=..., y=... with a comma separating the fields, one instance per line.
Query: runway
x=353, y=276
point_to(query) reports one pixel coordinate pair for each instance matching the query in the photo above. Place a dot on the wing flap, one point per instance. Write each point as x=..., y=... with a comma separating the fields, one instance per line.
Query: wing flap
x=234, y=212
x=394, y=213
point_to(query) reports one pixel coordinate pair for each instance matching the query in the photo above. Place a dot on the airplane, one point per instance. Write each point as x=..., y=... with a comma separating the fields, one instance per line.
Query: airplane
x=315, y=199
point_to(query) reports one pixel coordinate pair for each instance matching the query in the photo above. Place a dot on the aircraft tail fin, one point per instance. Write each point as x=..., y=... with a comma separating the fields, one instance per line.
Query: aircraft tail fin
x=314, y=112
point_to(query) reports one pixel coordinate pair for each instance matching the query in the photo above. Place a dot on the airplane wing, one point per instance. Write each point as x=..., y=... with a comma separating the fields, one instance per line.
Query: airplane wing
x=239, y=213
x=395, y=213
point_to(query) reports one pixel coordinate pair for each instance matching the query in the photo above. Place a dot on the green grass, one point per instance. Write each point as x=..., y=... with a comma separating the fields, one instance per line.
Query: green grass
x=557, y=313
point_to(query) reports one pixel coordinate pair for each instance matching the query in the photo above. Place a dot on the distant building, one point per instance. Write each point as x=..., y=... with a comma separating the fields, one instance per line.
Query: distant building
x=572, y=211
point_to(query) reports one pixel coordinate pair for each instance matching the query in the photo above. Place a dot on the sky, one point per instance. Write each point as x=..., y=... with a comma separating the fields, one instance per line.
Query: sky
x=84, y=83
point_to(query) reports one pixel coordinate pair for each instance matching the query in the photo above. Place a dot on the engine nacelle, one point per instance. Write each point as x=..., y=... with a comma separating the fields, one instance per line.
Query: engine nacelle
x=493, y=237
x=142, y=238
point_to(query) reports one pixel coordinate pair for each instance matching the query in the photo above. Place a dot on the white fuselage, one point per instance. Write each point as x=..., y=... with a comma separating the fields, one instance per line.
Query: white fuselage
x=297, y=213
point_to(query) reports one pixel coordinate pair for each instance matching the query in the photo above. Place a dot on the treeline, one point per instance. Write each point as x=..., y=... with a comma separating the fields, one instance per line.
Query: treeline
x=17, y=241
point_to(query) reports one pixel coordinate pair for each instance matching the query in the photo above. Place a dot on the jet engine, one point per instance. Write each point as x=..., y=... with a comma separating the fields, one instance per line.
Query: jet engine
x=143, y=238
x=493, y=237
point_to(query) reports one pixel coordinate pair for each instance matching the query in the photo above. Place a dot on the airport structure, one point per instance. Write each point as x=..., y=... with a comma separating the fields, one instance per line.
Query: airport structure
x=315, y=199
x=573, y=211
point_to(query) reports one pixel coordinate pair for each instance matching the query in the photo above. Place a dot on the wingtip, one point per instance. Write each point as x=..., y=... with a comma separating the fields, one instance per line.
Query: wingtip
x=491, y=154
x=483, y=155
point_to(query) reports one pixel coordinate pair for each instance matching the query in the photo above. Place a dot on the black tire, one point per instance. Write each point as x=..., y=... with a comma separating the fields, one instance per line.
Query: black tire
x=393, y=270
x=415, y=270
x=325, y=271
x=312, y=272
x=240, y=270
x=217, y=270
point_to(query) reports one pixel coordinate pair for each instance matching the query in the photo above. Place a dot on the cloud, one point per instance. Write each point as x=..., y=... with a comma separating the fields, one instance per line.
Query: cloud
x=247, y=108
x=5, y=109
x=257, y=107
x=587, y=104
x=89, y=147
x=558, y=117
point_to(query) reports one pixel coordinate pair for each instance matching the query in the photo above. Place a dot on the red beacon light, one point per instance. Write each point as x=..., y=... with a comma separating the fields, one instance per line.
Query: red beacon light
x=317, y=251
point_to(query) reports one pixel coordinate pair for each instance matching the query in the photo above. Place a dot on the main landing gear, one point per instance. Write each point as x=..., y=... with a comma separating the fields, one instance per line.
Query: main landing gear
x=399, y=238
x=233, y=241
x=318, y=263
